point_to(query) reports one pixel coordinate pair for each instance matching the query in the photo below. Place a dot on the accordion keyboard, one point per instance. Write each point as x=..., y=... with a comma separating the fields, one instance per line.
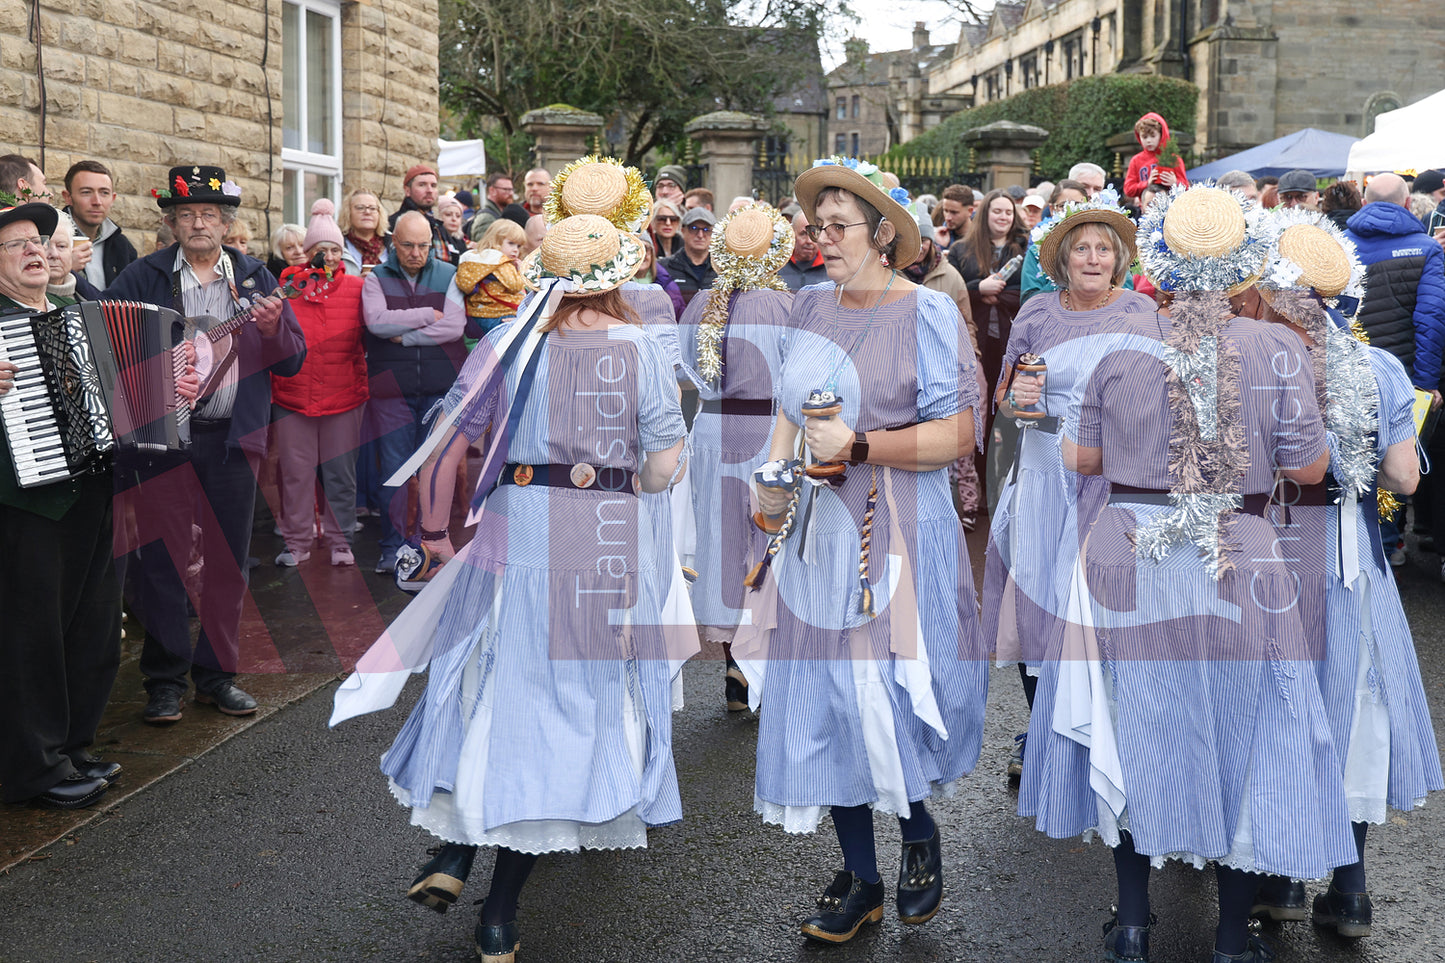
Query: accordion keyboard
x=31, y=428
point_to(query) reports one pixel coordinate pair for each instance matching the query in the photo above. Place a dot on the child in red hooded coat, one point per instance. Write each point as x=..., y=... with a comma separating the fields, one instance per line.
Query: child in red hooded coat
x=1156, y=163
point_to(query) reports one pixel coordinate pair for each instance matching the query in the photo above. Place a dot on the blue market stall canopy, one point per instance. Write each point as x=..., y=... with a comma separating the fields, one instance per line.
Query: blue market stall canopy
x=1320, y=152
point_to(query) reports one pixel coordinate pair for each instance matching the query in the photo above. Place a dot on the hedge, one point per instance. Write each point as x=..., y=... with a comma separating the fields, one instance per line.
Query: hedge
x=1080, y=116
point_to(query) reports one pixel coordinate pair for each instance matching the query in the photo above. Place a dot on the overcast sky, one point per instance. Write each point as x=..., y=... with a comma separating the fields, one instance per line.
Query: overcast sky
x=889, y=25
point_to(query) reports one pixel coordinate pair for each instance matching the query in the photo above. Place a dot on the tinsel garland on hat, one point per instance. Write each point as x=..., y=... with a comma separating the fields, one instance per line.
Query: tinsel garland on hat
x=737, y=273
x=1208, y=450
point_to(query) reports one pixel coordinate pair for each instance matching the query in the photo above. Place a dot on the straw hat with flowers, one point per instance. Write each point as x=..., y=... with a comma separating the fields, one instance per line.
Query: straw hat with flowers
x=865, y=181
x=589, y=251
x=1102, y=209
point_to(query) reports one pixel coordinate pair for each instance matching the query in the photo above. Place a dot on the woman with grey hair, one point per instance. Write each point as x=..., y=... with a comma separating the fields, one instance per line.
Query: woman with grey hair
x=1057, y=337
x=666, y=228
x=288, y=248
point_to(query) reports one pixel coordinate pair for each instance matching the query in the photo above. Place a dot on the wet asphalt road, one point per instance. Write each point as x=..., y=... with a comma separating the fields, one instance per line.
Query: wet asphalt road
x=284, y=845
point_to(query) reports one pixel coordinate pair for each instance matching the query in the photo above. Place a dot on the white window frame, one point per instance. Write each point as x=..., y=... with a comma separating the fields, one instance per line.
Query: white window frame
x=303, y=162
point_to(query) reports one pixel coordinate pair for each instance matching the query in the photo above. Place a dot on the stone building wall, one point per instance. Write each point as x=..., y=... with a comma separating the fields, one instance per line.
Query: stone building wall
x=142, y=85
x=1265, y=68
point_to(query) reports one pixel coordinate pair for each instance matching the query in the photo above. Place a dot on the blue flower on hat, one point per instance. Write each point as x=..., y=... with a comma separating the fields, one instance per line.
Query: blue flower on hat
x=898, y=194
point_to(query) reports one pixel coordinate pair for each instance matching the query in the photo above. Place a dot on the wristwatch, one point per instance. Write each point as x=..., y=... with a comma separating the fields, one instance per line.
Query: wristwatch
x=859, y=453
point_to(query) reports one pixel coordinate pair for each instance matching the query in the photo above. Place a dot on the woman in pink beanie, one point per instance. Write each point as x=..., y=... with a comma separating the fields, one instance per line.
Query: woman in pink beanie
x=318, y=410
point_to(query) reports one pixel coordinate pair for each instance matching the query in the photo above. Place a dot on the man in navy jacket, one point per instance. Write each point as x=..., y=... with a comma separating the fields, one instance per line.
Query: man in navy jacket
x=1403, y=310
x=214, y=485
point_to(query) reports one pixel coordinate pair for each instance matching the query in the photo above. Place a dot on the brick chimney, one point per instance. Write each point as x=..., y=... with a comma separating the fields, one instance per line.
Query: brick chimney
x=920, y=35
x=855, y=49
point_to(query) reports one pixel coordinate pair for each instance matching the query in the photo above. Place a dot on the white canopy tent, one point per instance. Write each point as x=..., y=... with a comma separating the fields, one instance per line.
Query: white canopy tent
x=461, y=158
x=1412, y=137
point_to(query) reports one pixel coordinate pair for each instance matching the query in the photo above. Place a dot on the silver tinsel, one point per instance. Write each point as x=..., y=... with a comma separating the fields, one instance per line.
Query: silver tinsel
x=1353, y=410
x=1172, y=271
x=1198, y=518
x=1198, y=371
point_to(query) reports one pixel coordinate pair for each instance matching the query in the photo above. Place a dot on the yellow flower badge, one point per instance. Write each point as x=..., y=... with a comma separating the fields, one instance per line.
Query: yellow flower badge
x=215, y=183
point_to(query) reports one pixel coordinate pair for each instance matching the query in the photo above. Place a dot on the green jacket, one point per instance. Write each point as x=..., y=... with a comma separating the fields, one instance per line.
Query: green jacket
x=49, y=501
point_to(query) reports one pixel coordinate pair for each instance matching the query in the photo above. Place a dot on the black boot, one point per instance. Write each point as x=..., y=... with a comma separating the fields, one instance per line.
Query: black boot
x=843, y=909
x=735, y=688
x=1350, y=914
x=497, y=943
x=1258, y=951
x=920, y=880
x=1126, y=944
x=440, y=881
x=1280, y=899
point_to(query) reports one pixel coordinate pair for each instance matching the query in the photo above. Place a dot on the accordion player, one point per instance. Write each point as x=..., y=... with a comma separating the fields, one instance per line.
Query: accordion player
x=93, y=379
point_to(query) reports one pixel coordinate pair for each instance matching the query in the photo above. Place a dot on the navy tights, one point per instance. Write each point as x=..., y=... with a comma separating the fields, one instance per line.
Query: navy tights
x=508, y=877
x=854, y=825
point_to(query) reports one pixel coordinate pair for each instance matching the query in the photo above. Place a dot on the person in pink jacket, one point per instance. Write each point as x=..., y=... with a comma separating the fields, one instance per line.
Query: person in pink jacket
x=318, y=410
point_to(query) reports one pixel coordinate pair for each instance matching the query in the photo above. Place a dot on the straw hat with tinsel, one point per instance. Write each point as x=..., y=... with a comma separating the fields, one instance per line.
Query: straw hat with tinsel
x=863, y=180
x=1307, y=251
x=603, y=186
x=588, y=250
x=749, y=247
x=1201, y=238
x=1104, y=208
x=751, y=244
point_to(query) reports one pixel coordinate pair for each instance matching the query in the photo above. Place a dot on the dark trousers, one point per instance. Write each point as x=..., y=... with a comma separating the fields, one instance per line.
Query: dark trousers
x=400, y=432
x=59, y=637
x=215, y=489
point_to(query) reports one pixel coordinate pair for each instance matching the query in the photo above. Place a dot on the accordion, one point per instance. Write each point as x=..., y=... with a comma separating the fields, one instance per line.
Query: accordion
x=94, y=378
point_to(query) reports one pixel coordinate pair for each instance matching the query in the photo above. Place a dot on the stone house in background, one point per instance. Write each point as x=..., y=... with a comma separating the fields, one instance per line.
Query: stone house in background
x=296, y=99
x=1264, y=68
x=878, y=100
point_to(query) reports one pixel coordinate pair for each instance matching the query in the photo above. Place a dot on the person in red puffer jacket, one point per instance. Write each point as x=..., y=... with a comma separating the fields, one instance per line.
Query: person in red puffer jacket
x=318, y=410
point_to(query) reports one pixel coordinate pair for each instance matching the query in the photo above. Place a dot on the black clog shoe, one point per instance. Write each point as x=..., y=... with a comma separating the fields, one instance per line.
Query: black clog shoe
x=497, y=942
x=843, y=909
x=1126, y=944
x=1258, y=951
x=440, y=881
x=1349, y=914
x=1280, y=899
x=920, y=880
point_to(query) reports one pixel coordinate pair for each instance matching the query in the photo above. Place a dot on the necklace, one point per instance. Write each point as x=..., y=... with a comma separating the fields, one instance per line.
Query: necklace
x=1068, y=302
x=832, y=383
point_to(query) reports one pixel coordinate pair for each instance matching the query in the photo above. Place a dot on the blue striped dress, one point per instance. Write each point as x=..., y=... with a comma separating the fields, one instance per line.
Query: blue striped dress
x=1368, y=673
x=858, y=710
x=728, y=446
x=1184, y=710
x=1033, y=535
x=546, y=720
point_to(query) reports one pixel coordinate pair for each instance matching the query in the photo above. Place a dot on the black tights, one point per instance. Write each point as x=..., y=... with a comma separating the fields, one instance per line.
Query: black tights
x=1031, y=684
x=854, y=825
x=1236, y=897
x=1351, y=878
x=508, y=877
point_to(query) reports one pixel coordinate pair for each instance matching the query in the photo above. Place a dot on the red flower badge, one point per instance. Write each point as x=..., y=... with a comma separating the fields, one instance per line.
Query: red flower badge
x=181, y=187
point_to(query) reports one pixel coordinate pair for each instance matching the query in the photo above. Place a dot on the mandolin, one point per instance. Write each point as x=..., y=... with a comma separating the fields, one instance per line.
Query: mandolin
x=217, y=346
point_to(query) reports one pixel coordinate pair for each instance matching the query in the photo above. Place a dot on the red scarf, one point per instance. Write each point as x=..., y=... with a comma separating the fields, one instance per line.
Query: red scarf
x=370, y=250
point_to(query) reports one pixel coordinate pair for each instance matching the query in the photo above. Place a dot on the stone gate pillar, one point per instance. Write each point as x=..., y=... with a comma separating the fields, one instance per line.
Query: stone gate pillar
x=729, y=145
x=562, y=134
x=1003, y=152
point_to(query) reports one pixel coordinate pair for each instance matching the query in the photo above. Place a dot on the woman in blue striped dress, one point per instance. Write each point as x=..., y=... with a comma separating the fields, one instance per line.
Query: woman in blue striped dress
x=863, y=648
x=1033, y=536
x=545, y=724
x=731, y=339
x=1184, y=678
x=1368, y=672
